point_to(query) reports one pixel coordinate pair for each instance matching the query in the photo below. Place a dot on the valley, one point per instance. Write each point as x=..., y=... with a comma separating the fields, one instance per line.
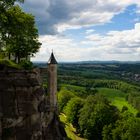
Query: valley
x=109, y=85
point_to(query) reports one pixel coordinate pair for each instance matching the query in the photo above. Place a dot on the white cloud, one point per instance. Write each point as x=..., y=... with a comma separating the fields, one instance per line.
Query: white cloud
x=65, y=49
x=119, y=39
x=116, y=45
x=89, y=31
x=125, y=42
x=55, y=16
x=58, y=15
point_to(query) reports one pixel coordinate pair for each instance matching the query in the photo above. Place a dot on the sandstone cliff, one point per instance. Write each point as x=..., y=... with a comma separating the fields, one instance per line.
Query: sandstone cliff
x=24, y=111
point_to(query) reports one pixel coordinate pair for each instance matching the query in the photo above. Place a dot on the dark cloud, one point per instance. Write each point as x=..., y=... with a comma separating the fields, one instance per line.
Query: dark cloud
x=50, y=14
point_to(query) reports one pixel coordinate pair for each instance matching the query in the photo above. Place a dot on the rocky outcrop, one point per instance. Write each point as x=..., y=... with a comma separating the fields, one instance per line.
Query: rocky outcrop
x=24, y=112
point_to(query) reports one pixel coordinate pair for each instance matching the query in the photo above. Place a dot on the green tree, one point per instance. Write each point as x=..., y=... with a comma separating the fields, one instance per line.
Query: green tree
x=22, y=35
x=95, y=114
x=63, y=97
x=18, y=34
x=106, y=132
x=125, y=128
x=4, y=6
x=72, y=110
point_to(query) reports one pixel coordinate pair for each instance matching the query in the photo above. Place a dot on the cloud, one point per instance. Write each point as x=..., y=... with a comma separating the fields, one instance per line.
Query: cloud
x=89, y=31
x=119, y=42
x=119, y=39
x=65, y=49
x=56, y=16
x=115, y=45
x=53, y=16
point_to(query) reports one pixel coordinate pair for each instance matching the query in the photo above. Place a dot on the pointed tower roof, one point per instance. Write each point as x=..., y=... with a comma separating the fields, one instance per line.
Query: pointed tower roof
x=52, y=59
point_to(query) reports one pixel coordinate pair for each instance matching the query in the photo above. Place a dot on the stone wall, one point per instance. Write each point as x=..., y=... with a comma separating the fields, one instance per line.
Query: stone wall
x=24, y=114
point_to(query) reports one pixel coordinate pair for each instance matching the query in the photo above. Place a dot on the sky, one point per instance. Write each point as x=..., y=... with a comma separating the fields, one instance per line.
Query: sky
x=87, y=30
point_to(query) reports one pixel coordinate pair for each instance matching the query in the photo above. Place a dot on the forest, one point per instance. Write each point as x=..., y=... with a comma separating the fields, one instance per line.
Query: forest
x=98, y=102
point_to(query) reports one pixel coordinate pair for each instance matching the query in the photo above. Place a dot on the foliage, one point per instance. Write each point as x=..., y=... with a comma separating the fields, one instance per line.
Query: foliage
x=4, y=6
x=81, y=73
x=76, y=90
x=72, y=111
x=96, y=113
x=22, y=34
x=26, y=64
x=126, y=128
x=134, y=99
x=18, y=34
x=117, y=98
x=106, y=132
x=90, y=90
x=138, y=114
x=124, y=108
x=63, y=97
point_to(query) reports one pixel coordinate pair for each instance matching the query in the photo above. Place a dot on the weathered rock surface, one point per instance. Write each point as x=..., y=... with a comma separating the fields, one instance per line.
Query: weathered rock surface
x=24, y=113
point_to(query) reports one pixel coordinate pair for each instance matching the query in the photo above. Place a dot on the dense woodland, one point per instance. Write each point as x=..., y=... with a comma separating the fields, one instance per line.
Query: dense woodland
x=99, y=100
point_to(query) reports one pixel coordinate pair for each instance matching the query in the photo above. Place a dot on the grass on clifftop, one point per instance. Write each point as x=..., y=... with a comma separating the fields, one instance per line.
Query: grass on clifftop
x=24, y=64
x=9, y=63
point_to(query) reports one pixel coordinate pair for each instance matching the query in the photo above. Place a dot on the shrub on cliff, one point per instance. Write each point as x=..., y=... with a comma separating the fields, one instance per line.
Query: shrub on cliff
x=27, y=65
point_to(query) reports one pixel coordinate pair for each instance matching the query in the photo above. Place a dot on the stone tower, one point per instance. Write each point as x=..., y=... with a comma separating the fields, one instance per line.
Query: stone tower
x=52, y=82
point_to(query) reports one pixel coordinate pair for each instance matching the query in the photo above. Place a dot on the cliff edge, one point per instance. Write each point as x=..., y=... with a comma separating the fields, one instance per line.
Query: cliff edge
x=24, y=112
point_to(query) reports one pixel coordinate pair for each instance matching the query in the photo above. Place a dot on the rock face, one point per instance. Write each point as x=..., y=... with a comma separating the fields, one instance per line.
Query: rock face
x=24, y=112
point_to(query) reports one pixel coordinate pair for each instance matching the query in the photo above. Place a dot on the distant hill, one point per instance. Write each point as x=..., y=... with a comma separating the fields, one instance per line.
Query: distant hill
x=103, y=62
x=91, y=62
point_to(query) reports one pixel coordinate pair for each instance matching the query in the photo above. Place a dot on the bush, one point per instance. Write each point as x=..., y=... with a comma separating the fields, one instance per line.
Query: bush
x=28, y=65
